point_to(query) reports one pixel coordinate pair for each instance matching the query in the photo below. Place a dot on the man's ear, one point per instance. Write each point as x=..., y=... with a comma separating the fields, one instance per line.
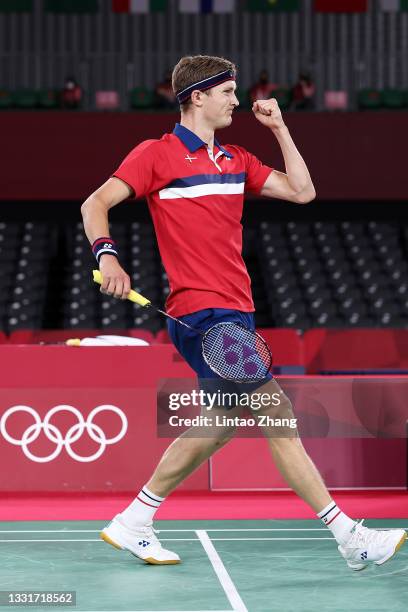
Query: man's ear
x=197, y=97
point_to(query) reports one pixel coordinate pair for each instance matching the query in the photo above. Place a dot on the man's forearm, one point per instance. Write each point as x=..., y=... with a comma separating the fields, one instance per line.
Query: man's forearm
x=95, y=219
x=298, y=175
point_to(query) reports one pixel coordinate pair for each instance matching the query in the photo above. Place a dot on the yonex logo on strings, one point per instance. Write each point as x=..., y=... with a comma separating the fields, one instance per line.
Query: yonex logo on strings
x=73, y=434
x=231, y=355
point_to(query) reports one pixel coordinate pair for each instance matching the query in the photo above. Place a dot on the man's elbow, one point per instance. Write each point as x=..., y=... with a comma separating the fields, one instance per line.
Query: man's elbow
x=86, y=206
x=305, y=196
x=90, y=204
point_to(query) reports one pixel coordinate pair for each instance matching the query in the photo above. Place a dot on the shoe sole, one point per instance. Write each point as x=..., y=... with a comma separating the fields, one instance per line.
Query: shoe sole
x=148, y=560
x=358, y=569
x=152, y=561
x=108, y=540
x=398, y=546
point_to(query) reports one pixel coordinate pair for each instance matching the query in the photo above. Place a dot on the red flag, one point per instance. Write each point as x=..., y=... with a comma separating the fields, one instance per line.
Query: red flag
x=121, y=6
x=341, y=6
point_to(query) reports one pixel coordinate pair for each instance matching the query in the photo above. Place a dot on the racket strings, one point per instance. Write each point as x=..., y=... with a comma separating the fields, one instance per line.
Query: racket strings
x=236, y=353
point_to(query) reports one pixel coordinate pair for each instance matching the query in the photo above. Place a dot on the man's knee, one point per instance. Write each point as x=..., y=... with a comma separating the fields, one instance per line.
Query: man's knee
x=284, y=444
x=277, y=419
x=277, y=408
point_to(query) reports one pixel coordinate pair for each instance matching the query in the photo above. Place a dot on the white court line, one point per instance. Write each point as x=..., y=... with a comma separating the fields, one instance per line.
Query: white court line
x=179, y=539
x=95, y=540
x=222, y=574
x=64, y=540
x=162, y=530
x=262, y=539
x=322, y=529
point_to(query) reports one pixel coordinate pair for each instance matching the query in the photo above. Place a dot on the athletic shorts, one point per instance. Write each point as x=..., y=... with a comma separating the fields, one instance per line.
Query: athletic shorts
x=188, y=344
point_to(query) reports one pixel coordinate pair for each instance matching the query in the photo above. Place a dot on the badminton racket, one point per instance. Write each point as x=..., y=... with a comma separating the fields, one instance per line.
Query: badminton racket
x=231, y=350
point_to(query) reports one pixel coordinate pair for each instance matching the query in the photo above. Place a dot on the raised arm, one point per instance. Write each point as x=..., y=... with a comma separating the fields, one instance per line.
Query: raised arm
x=296, y=185
x=95, y=211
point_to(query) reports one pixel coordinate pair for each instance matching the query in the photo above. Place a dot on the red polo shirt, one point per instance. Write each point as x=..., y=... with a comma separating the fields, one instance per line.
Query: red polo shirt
x=196, y=200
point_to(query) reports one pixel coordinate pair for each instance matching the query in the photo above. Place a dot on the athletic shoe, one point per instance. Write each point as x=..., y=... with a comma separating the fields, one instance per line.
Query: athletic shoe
x=141, y=542
x=374, y=545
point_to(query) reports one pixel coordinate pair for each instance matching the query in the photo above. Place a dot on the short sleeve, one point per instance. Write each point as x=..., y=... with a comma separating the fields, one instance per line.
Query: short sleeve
x=256, y=172
x=144, y=168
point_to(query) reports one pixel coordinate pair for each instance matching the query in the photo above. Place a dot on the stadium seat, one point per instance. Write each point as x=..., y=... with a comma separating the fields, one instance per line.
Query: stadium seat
x=294, y=319
x=304, y=274
x=287, y=349
x=6, y=99
x=369, y=99
x=283, y=97
x=355, y=350
x=141, y=98
x=47, y=98
x=79, y=321
x=393, y=98
x=107, y=100
x=25, y=98
x=336, y=100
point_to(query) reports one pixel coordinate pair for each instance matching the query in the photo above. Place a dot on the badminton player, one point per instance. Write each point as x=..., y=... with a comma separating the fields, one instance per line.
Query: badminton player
x=195, y=189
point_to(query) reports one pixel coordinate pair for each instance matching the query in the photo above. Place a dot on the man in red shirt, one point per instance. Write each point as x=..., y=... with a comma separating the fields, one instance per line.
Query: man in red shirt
x=262, y=89
x=195, y=188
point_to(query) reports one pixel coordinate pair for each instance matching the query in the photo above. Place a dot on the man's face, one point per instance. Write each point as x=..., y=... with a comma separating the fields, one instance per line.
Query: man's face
x=219, y=103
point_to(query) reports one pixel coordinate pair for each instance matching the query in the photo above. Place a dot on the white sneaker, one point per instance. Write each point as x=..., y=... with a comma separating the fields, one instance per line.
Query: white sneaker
x=141, y=542
x=374, y=545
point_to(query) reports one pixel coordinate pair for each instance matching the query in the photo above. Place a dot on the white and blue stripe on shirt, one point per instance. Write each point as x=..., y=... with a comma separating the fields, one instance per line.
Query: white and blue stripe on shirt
x=203, y=185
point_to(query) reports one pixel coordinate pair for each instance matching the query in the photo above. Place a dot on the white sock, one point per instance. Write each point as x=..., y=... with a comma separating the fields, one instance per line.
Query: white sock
x=142, y=509
x=339, y=523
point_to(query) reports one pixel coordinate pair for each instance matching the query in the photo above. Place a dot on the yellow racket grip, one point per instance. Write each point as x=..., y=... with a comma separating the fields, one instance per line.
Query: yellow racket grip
x=133, y=295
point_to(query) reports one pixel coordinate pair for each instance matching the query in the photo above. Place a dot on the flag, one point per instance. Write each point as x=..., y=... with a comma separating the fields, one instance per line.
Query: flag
x=341, y=6
x=71, y=6
x=392, y=6
x=206, y=6
x=16, y=6
x=264, y=6
x=138, y=6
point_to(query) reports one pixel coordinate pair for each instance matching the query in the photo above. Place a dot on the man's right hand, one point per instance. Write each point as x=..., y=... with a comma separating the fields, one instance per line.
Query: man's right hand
x=115, y=281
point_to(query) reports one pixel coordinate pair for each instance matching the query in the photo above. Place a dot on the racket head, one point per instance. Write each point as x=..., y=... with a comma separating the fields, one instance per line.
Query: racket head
x=236, y=353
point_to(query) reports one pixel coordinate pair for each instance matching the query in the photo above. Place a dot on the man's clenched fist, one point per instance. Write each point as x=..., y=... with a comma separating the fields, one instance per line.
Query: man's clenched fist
x=268, y=113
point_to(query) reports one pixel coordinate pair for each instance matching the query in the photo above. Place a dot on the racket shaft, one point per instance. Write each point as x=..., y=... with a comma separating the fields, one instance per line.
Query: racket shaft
x=139, y=299
x=166, y=314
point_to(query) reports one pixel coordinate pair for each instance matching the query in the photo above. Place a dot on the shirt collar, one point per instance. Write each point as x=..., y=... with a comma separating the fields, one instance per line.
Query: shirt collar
x=194, y=142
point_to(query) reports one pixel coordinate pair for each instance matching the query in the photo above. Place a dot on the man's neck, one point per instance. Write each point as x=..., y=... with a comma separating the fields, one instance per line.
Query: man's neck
x=205, y=133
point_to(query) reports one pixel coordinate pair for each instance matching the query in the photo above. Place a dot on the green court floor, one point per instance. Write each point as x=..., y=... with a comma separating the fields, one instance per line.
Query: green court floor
x=254, y=566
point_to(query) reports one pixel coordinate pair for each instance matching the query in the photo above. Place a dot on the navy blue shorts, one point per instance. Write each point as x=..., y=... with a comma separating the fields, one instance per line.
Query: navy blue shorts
x=188, y=344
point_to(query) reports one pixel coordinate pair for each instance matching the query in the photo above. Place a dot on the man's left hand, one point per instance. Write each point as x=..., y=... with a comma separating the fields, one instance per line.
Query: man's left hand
x=268, y=113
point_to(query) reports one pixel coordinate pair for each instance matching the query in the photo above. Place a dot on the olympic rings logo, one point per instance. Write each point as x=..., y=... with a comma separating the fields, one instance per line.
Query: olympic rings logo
x=73, y=434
